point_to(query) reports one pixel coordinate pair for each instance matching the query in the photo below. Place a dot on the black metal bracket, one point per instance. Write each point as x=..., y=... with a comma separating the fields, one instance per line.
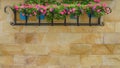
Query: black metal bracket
x=78, y=23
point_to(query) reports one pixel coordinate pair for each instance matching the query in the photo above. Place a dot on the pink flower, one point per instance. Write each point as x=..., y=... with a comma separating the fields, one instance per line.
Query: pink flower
x=68, y=13
x=107, y=10
x=34, y=13
x=30, y=6
x=97, y=1
x=22, y=6
x=44, y=12
x=16, y=7
x=94, y=7
x=78, y=5
x=62, y=13
x=37, y=6
x=98, y=10
x=41, y=11
x=73, y=10
x=104, y=5
x=51, y=9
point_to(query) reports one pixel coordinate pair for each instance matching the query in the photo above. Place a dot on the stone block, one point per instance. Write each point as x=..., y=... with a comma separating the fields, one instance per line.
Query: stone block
x=112, y=38
x=6, y=60
x=80, y=49
x=36, y=50
x=11, y=49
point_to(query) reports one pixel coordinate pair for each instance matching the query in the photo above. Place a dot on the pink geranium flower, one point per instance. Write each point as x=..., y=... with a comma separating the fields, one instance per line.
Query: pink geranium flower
x=16, y=7
x=37, y=7
x=62, y=13
x=107, y=10
x=51, y=9
x=34, y=13
x=97, y=1
x=22, y=6
x=41, y=11
x=78, y=5
x=68, y=13
x=104, y=5
x=94, y=7
x=73, y=10
x=70, y=10
x=98, y=10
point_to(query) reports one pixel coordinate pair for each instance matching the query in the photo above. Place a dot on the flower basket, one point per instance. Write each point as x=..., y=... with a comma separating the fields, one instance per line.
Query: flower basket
x=41, y=17
x=23, y=17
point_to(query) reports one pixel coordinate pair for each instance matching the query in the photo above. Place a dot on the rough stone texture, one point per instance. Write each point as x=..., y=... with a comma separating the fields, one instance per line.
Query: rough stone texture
x=60, y=46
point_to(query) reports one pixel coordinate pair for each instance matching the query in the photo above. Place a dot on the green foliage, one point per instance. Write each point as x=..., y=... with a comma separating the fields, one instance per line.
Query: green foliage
x=86, y=1
x=74, y=7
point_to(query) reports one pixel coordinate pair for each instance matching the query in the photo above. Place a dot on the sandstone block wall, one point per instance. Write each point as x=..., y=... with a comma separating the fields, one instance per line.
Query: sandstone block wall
x=60, y=46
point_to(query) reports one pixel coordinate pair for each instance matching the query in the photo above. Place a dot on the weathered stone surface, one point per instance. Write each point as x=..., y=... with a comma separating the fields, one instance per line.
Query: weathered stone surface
x=59, y=49
x=70, y=60
x=11, y=49
x=81, y=29
x=111, y=60
x=108, y=27
x=117, y=50
x=103, y=49
x=106, y=66
x=12, y=66
x=51, y=39
x=112, y=38
x=47, y=60
x=90, y=60
x=117, y=27
x=55, y=66
x=36, y=50
x=81, y=38
x=6, y=60
x=19, y=60
x=80, y=49
x=20, y=38
x=30, y=60
x=59, y=29
x=72, y=66
x=7, y=38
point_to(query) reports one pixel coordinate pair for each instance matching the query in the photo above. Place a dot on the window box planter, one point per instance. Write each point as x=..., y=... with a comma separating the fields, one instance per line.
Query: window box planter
x=53, y=11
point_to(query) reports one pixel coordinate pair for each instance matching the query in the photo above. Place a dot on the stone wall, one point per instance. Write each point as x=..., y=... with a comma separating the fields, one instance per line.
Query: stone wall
x=60, y=46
